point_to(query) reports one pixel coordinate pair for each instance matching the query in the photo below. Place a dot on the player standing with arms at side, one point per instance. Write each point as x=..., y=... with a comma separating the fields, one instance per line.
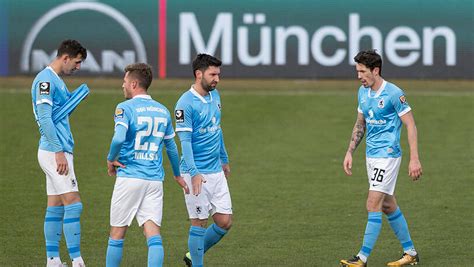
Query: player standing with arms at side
x=49, y=93
x=204, y=163
x=142, y=127
x=382, y=110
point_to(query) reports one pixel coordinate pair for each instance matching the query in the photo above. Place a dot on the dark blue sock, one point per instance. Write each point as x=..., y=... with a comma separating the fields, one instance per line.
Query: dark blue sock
x=114, y=253
x=155, y=251
x=372, y=231
x=213, y=235
x=53, y=227
x=196, y=245
x=72, y=229
x=400, y=228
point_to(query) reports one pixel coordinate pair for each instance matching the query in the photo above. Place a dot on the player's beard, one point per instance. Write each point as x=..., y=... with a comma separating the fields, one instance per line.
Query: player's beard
x=206, y=86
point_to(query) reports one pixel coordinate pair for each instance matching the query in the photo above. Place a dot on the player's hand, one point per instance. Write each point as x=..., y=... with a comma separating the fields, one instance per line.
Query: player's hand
x=226, y=169
x=347, y=165
x=61, y=163
x=414, y=169
x=197, y=181
x=112, y=167
x=182, y=183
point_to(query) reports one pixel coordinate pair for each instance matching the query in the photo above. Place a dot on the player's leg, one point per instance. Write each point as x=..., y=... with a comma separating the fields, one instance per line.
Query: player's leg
x=399, y=226
x=126, y=198
x=149, y=216
x=221, y=209
x=198, y=210
x=155, y=244
x=53, y=228
x=72, y=226
x=71, y=199
x=53, y=222
x=115, y=246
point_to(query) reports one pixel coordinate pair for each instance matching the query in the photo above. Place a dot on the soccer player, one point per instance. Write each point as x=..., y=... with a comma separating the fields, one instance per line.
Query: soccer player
x=55, y=153
x=382, y=110
x=142, y=127
x=204, y=162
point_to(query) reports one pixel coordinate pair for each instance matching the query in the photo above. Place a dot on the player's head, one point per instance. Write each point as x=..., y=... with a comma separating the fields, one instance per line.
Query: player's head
x=206, y=70
x=71, y=54
x=369, y=67
x=137, y=79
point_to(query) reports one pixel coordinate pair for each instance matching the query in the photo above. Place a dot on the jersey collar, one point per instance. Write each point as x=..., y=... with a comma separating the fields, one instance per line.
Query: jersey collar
x=51, y=69
x=382, y=87
x=142, y=96
x=194, y=92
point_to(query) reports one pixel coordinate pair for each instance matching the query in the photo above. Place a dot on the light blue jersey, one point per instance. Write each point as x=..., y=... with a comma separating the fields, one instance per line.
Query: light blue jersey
x=148, y=124
x=382, y=111
x=49, y=89
x=201, y=116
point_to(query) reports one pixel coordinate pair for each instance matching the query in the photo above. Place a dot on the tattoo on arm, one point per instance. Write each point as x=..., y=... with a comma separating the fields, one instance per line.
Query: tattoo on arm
x=357, y=135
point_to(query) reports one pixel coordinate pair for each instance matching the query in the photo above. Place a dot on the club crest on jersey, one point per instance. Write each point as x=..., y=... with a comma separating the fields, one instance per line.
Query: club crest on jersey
x=381, y=103
x=179, y=115
x=44, y=88
x=403, y=99
x=119, y=113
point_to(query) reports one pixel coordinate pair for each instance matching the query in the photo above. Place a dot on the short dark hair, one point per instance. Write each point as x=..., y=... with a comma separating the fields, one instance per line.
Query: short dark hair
x=203, y=61
x=370, y=59
x=71, y=48
x=142, y=72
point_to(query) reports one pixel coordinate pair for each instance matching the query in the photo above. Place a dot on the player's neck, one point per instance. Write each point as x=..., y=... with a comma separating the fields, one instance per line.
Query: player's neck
x=56, y=66
x=139, y=92
x=377, y=84
x=198, y=88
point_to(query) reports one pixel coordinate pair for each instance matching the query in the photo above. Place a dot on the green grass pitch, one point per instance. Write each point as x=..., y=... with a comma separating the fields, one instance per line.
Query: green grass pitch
x=293, y=205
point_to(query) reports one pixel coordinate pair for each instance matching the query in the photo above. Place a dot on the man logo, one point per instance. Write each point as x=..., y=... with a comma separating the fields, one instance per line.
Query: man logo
x=39, y=61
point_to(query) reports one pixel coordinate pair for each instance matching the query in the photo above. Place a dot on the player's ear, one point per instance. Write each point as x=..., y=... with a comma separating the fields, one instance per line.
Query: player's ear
x=377, y=71
x=198, y=74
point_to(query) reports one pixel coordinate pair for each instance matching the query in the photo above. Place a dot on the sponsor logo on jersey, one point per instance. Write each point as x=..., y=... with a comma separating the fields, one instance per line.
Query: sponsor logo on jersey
x=179, y=115
x=403, y=99
x=119, y=113
x=381, y=103
x=44, y=88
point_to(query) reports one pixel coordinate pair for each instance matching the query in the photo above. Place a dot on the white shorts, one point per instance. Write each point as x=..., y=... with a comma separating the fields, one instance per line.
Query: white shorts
x=57, y=184
x=382, y=174
x=136, y=197
x=214, y=197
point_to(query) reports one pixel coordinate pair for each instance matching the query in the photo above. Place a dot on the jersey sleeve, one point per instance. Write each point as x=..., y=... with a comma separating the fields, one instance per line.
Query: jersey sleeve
x=121, y=116
x=183, y=114
x=169, y=132
x=44, y=90
x=400, y=103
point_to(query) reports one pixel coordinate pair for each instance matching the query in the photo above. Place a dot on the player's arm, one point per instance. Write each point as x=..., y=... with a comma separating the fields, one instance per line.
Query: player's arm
x=414, y=167
x=188, y=157
x=117, y=140
x=47, y=127
x=357, y=135
x=224, y=157
x=173, y=156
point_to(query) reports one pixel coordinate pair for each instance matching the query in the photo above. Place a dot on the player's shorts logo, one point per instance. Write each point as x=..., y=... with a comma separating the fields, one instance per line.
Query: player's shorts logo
x=119, y=113
x=198, y=209
x=44, y=88
x=179, y=115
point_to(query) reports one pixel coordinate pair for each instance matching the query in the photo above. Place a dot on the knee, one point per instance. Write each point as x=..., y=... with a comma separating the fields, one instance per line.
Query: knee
x=225, y=223
x=389, y=208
